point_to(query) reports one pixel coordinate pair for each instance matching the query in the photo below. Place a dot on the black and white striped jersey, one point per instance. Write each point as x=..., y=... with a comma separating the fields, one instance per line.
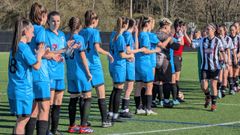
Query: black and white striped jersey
x=209, y=49
x=227, y=44
x=236, y=42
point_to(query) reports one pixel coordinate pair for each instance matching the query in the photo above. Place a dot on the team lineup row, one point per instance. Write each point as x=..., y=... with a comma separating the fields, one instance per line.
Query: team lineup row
x=151, y=59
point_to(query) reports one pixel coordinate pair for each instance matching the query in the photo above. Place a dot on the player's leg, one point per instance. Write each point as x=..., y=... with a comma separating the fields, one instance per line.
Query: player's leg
x=85, y=109
x=20, y=125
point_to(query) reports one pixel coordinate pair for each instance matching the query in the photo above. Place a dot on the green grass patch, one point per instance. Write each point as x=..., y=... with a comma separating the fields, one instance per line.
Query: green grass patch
x=190, y=114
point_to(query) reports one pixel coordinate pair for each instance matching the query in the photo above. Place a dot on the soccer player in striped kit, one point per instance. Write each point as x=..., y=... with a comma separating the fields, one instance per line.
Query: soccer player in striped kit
x=210, y=48
x=236, y=42
x=227, y=66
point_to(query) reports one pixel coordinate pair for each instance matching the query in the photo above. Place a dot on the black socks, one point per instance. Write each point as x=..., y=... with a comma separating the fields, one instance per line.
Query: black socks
x=42, y=127
x=174, y=91
x=29, y=129
x=86, y=111
x=137, y=100
x=72, y=109
x=55, y=118
x=103, y=109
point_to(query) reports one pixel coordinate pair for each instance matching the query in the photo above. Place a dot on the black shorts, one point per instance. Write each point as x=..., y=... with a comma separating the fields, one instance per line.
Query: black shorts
x=164, y=73
x=208, y=74
x=178, y=63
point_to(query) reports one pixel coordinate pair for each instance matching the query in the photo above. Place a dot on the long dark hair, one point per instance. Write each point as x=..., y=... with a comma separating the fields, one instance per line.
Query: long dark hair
x=121, y=21
x=74, y=24
x=177, y=23
x=142, y=22
x=131, y=23
x=21, y=25
x=90, y=15
x=36, y=13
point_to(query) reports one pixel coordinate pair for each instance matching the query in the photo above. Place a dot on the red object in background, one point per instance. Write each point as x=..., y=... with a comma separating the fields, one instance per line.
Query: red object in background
x=181, y=47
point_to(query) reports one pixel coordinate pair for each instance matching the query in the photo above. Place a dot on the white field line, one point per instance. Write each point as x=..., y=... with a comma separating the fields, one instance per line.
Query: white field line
x=177, y=129
x=227, y=104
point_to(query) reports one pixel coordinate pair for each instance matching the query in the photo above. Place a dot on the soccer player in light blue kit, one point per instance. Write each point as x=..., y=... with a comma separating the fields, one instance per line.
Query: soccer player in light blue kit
x=55, y=40
x=79, y=77
x=131, y=39
x=118, y=49
x=144, y=73
x=41, y=82
x=21, y=61
x=92, y=41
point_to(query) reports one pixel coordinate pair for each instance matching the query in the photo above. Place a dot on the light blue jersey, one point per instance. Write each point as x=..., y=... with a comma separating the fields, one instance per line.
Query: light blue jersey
x=111, y=51
x=130, y=67
x=76, y=73
x=143, y=64
x=119, y=64
x=154, y=41
x=41, y=81
x=55, y=42
x=20, y=73
x=74, y=62
x=91, y=37
x=39, y=37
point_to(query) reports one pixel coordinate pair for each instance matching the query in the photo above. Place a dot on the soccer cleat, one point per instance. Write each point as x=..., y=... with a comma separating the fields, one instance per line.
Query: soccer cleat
x=232, y=92
x=85, y=130
x=49, y=133
x=207, y=102
x=213, y=107
x=106, y=124
x=118, y=119
x=140, y=111
x=150, y=112
x=176, y=102
x=125, y=114
x=168, y=105
x=57, y=133
x=180, y=100
x=220, y=94
x=154, y=105
x=160, y=103
x=89, y=124
x=223, y=93
x=73, y=129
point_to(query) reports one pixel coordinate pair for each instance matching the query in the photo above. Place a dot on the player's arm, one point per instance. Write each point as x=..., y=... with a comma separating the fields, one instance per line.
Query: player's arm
x=40, y=52
x=101, y=51
x=126, y=56
x=147, y=51
x=133, y=51
x=85, y=64
x=164, y=43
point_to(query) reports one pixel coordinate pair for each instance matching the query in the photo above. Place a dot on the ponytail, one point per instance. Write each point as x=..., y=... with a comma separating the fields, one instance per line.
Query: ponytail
x=74, y=24
x=131, y=23
x=90, y=15
x=121, y=21
x=142, y=22
x=20, y=26
x=36, y=13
